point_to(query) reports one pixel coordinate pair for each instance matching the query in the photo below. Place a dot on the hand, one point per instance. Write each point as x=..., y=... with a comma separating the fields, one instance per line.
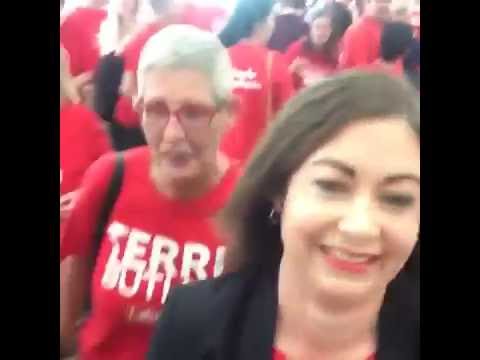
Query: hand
x=83, y=79
x=298, y=66
x=67, y=202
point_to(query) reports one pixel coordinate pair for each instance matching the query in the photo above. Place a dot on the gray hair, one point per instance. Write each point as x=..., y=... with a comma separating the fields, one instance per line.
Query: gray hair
x=188, y=47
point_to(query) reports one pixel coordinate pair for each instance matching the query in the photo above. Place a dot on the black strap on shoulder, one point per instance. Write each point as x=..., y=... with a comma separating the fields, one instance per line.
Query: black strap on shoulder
x=111, y=197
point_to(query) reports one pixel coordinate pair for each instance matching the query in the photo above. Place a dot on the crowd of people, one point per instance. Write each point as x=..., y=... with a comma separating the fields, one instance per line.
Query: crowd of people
x=239, y=183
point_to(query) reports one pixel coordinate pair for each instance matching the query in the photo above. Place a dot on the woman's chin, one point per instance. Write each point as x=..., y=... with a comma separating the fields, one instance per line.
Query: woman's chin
x=344, y=289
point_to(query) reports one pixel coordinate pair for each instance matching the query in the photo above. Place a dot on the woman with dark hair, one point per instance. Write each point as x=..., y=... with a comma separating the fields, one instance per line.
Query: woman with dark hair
x=323, y=259
x=262, y=81
x=314, y=57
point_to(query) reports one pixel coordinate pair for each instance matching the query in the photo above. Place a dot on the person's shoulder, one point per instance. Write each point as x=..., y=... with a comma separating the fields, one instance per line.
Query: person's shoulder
x=207, y=296
x=297, y=45
x=211, y=289
x=79, y=116
x=358, y=26
x=136, y=155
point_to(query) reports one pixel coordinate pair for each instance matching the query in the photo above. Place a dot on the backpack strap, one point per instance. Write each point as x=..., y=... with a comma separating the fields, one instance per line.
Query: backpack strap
x=111, y=196
x=110, y=199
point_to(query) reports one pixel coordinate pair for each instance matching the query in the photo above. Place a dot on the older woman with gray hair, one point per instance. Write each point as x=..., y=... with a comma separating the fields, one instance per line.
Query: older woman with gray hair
x=146, y=215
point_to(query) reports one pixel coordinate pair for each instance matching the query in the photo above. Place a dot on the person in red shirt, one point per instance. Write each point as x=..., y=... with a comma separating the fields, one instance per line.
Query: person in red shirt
x=313, y=58
x=82, y=141
x=323, y=260
x=161, y=230
x=78, y=35
x=396, y=40
x=361, y=43
x=262, y=80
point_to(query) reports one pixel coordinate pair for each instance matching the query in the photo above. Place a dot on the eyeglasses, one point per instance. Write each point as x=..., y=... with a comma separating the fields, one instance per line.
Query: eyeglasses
x=189, y=115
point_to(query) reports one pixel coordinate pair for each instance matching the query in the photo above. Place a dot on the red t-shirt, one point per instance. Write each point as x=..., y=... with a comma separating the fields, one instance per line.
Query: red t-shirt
x=153, y=244
x=318, y=66
x=82, y=141
x=361, y=43
x=278, y=355
x=78, y=34
x=250, y=63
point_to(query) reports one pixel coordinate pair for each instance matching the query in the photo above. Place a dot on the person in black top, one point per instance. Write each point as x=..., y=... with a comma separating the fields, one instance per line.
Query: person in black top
x=323, y=257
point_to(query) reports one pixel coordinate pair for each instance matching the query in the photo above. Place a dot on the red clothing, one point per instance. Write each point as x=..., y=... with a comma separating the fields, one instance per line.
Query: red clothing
x=82, y=141
x=319, y=66
x=78, y=34
x=133, y=49
x=278, y=355
x=125, y=114
x=250, y=63
x=153, y=243
x=361, y=43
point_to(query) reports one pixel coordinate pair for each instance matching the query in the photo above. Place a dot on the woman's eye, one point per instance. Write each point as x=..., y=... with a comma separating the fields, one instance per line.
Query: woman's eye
x=398, y=200
x=332, y=186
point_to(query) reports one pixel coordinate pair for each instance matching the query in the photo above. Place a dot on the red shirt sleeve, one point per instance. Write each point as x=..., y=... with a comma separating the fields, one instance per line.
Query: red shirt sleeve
x=283, y=87
x=80, y=227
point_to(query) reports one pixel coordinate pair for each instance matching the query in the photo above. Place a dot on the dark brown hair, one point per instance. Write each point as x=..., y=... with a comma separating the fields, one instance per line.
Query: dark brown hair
x=340, y=19
x=308, y=121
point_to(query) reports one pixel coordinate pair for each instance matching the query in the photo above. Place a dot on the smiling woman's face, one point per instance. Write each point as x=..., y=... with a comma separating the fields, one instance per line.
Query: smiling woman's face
x=351, y=215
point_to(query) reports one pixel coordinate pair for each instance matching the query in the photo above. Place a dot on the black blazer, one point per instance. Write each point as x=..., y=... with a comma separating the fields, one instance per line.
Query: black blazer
x=234, y=317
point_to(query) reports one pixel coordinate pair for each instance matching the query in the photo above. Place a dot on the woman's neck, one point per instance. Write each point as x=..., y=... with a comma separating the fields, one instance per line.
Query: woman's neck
x=312, y=326
x=191, y=188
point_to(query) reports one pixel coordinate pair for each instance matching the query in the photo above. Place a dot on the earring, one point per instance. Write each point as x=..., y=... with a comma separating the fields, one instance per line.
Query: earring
x=274, y=217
